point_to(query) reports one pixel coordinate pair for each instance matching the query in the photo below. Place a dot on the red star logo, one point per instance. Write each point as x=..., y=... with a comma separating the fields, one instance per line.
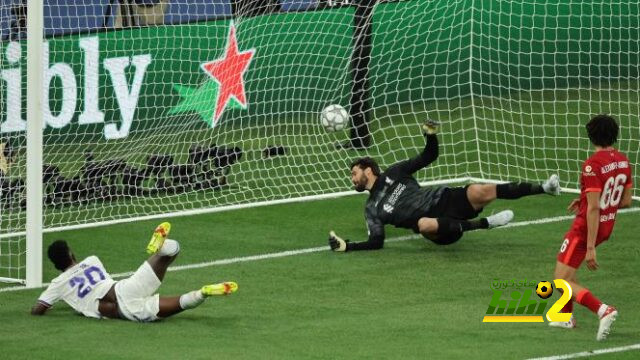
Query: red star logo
x=228, y=71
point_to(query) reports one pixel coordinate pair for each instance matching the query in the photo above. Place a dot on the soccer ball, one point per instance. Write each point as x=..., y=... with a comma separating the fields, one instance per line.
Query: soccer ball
x=544, y=289
x=334, y=118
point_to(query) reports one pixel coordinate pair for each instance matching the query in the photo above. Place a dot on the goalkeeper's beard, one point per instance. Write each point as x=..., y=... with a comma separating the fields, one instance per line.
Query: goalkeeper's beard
x=361, y=185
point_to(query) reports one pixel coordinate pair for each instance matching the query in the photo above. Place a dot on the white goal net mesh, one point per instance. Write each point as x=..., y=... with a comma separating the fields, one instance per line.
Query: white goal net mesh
x=163, y=106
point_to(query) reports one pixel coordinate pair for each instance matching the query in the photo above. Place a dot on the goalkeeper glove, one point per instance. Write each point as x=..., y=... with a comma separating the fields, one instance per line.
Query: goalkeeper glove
x=430, y=127
x=336, y=243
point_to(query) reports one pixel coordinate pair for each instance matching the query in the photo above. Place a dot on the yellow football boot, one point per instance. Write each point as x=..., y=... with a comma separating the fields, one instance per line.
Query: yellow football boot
x=157, y=239
x=224, y=288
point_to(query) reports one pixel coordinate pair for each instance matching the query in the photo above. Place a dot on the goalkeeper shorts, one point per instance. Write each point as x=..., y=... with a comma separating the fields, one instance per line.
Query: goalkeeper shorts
x=455, y=204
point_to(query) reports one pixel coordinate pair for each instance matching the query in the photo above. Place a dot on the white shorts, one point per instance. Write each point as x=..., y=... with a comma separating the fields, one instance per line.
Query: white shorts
x=137, y=300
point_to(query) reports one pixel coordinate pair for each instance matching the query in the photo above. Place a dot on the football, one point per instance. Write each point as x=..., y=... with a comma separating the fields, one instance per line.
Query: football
x=334, y=118
x=544, y=289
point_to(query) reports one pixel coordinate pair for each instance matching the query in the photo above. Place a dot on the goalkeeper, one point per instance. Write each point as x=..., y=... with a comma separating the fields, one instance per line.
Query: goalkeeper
x=440, y=214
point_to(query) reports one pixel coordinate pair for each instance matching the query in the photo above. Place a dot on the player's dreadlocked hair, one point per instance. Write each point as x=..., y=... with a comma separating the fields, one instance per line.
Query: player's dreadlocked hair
x=602, y=130
x=366, y=162
x=59, y=254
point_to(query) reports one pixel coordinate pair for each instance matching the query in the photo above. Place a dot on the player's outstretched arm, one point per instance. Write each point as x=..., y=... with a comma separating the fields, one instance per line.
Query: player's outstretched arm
x=375, y=228
x=374, y=243
x=428, y=155
x=338, y=244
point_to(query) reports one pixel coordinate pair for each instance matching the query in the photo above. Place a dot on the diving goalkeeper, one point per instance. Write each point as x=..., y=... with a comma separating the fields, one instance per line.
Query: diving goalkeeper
x=440, y=214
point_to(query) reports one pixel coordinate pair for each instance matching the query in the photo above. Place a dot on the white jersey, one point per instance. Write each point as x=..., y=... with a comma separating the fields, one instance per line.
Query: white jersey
x=81, y=286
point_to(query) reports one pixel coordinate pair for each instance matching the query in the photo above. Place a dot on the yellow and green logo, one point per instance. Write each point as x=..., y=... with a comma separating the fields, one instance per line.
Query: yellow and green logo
x=521, y=305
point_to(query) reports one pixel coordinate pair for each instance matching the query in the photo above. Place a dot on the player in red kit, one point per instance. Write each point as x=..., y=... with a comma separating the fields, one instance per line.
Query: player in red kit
x=605, y=187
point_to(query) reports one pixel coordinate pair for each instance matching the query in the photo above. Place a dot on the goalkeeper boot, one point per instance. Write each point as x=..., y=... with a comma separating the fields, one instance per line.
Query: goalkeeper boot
x=224, y=288
x=552, y=185
x=157, y=239
x=500, y=219
x=430, y=127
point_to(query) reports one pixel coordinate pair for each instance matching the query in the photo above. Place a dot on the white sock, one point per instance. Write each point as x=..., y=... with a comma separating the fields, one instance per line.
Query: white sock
x=191, y=299
x=602, y=309
x=169, y=248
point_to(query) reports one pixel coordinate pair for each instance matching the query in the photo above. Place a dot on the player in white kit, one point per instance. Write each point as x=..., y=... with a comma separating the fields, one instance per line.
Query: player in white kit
x=88, y=289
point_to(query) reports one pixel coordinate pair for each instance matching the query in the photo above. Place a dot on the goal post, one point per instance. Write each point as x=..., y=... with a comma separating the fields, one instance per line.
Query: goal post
x=193, y=106
x=34, y=142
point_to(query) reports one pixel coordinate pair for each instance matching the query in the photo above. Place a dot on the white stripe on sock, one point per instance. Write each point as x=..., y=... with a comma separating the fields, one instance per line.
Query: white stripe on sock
x=191, y=299
x=602, y=309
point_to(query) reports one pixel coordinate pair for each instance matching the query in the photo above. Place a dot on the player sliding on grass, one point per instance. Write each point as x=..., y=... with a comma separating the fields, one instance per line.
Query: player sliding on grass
x=605, y=186
x=88, y=289
x=440, y=214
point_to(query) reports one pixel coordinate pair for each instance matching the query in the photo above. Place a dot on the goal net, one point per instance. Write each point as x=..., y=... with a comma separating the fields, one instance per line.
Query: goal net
x=156, y=107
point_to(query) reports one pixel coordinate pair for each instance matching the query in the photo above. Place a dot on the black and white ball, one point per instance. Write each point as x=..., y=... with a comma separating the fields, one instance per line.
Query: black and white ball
x=334, y=118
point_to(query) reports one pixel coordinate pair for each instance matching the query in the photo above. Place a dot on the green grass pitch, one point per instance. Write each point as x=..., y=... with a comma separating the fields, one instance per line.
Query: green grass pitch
x=412, y=299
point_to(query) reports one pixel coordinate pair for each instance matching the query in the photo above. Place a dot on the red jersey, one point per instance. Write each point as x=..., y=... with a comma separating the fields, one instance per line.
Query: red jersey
x=607, y=172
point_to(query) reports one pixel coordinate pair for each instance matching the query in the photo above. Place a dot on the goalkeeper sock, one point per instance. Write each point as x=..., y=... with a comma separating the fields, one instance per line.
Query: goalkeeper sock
x=191, y=299
x=467, y=225
x=169, y=248
x=450, y=230
x=449, y=225
x=517, y=190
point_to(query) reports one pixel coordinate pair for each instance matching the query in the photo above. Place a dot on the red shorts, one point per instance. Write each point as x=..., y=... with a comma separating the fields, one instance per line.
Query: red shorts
x=574, y=249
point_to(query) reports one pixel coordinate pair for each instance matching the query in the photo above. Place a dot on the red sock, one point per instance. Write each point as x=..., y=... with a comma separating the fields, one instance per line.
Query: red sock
x=585, y=298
